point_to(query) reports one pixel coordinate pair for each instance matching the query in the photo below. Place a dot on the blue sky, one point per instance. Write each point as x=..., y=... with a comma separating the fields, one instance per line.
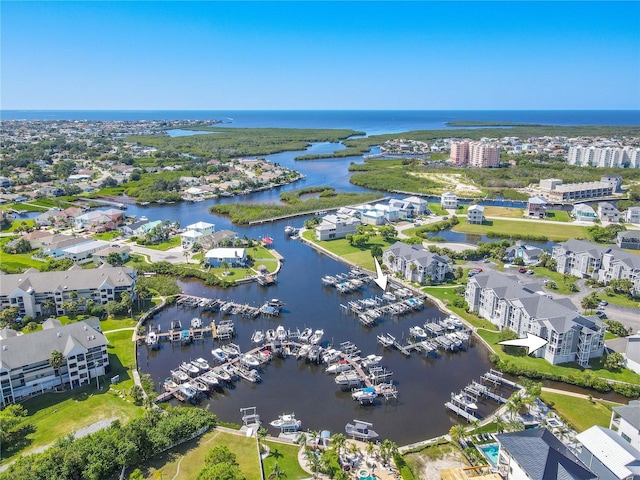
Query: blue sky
x=320, y=55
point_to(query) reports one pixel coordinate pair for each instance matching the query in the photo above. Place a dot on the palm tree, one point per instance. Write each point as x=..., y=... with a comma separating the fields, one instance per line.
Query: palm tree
x=57, y=360
x=313, y=459
x=500, y=424
x=457, y=432
x=387, y=450
x=514, y=405
x=276, y=472
x=371, y=448
x=261, y=434
x=338, y=441
x=515, y=426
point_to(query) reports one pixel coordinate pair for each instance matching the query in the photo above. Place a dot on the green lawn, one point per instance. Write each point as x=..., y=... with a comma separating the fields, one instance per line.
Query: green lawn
x=620, y=300
x=185, y=461
x=287, y=458
x=541, y=365
x=558, y=216
x=54, y=415
x=19, y=223
x=23, y=206
x=564, y=282
x=503, y=212
x=436, y=209
x=447, y=296
x=579, y=412
x=122, y=358
x=107, y=236
x=18, y=262
x=163, y=246
x=555, y=232
x=263, y=256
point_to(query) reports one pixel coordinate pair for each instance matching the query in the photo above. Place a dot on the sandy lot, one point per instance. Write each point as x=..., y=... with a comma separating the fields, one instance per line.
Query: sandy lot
x=427, y=468
x=454, y=182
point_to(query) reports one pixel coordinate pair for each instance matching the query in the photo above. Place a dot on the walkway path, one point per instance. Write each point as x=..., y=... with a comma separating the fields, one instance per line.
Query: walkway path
x=572, y=394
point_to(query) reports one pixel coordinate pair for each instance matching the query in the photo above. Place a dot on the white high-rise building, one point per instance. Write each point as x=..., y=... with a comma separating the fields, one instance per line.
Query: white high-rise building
x=604, y=157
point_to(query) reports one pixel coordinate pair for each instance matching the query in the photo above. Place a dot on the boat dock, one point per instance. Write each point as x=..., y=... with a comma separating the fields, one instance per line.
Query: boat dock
x=496, y=377
x=470, y=417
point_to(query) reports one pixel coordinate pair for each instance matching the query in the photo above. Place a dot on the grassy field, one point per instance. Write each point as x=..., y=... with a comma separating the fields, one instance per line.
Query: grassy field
x=564, y=283
x=558, y=216
x=107, y=236
x=447, y=295
x=19, y=223
x=579, y=412
x=263, y=256
x=436, y=209
x=503, y=212
x=508, y=228
x=164, y=246
x=620, y=300
x=122, y=358
x=18, y=262
x=541, y=365
x=287, y=458
x=54, y=415
x=185, y=461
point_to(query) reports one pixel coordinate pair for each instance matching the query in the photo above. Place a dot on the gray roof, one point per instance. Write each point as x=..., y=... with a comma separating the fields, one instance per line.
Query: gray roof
x=615, y=453
x=542, y=456
x=18, y=351
x=630, y=412
x=72, y=279
x=413, y=253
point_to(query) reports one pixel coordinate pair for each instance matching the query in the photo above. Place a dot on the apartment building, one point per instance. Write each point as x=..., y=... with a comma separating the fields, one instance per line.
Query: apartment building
x=415, y=264
x=604, y=157
x=43, y=293
x=506, y=303
x=459, y=153
x=25, y=370
x=480, y=154
x=554, y=190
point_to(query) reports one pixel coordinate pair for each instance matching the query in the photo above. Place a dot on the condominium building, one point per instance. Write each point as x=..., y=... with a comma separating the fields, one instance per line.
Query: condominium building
x=44, y=293
x=476, y=154
x=604, y=157
x=24, y=365
x=459, y=154
x=625, y=421
x=554, y=190
x=415, y=264
x=506, y=303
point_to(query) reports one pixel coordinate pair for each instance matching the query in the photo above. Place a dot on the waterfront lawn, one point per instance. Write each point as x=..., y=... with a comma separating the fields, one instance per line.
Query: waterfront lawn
x=29, y=223
x=53, y=415
x=27, y=207
x=358, y=256
x=563, y=282
x=566, y=369
x=447, y=295
x=503, y=212
x=437, y=209
x=263, y=256
x=19, y=262
x=558, y=216
x=579, y=412
x=185, y=461
x=510, y=228
x=107, y=236
x=173, y=242
x=122, y=358
x=287, y=458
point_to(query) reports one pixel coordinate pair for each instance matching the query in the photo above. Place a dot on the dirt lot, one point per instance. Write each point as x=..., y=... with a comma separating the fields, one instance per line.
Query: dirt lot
x=427, y=463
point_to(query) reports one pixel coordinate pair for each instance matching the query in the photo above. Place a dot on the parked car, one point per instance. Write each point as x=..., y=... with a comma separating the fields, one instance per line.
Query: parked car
x=530, y=272
x=603, y=303
x=522, y=270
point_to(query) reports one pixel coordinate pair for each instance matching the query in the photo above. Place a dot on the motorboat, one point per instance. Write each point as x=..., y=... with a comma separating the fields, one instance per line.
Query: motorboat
x=305, y=335
x=188, y=391
x=176, y=325
x=455, y=321
x=201, y=363
x=466, y=401
x=304, y=351
x=257, y=337
x=152, y=340
x=265, y=355
x=328, y=280
x=169, y=384
x=371, y=360
x=286, y=421
x=189, y=368
x=314, y=353
x=316, y=337
x=364, y=395
x=249, y=361
x=219, y=355
x=179, y=376
x=270, y=336
x=199, y=385
x=349, y=377
x=360, y=430
x=231, y=349
x=338, y=367
x=196, y=322
x=331, y=355
x=281, y=333
x=210, y=379
x=386, y=340
x=418, y=332
x=221, y=374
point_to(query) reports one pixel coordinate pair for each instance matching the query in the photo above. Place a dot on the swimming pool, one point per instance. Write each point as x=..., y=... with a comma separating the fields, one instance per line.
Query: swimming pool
x=490, y=452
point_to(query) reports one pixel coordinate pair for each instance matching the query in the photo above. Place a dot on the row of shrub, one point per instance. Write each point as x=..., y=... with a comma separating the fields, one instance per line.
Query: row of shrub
x=518, y=236
x=182, y=271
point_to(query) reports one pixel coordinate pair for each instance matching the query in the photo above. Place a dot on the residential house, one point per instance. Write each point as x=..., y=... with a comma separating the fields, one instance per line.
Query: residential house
x=83, y=252
x=24, y=365
x=43, y=293
x=372, y=216
x=415, y=264
x=536, y=454
x=134, y=229
x=100, y=257
x=608, y=455
x=536, y=207
x=218, y=239
x=420, y=205
x=529, y=254
x=57, y=249
x=632, y=353
x=508, y=304
x=37, y=238
x=475, y=214
x=190, y=238
x=625, y=421
x=583, y=213
x=99, y=220
x=630, y=239
x=608, y=213
x=449, y=201
x=632, y=215
x=336, y=226
x=233, y=257
x=51, y=191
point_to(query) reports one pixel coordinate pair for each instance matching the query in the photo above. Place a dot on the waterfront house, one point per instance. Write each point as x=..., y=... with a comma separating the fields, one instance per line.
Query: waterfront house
x=220, y=238
x=37, y=238
x=536, y=454
x=629, y=239
x=608, y=213
x=336, y=226
x=608, y=455
x=449, y=201
x=415, y=264
x=135, y=228
x=372, y=216
x=99, y=220
x=625, y=421
x=83, y=252
x=529, y=254
x=233, y=257
x=25, y=370
x=536, y=207
x=31, y=290
x=191, y=237
x=420, y=205
x=506, y=303
x=475, y=214
x=583, y=213
x=632, y=215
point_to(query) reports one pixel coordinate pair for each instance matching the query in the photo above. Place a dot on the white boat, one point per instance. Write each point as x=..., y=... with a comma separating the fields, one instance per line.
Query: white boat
x=176, y=325
x=270, y=336
x=196, y=322
x=360, y=430
x=331, y=355
x=231, y=349
x=316, y=337
x=287, y=421
x=371, y=360
x=200, y=386
x=152, y=340
x=418, y=332
x=304, y=351
x=249, y=361
x=257, y=337
x=219, y=355
x=314, y=353
x=341, y=366
x=201, y=363
x=364, y=395
x=386, y=339
x=169, y=384
x=179, y=376
x=305, y=335
x=189, y=368
x=281, y=333
x=265, y=355
x=349, y=377
x=210, y=379
x=465, y=401
x=187, y=391
x=454, y=321
x=221, y=374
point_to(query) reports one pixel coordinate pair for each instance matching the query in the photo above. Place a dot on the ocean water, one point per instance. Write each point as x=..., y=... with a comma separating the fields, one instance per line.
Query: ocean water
x=369, y=121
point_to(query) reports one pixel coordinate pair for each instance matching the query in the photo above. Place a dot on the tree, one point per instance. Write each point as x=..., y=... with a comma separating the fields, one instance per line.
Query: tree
x=590, y=302
x=11, y=417
x=114, y=259
x=220, y=454
x=614, y=361
x=57, y=360
x=136, y=393
x=276, y=472
x=262, y=434
x=387, y=450
x=221, y=471
x=388, y=233
x=376, y=251
x=500, y=424
x=338, y=440
x=457, y=432
x=136, y=475
x=314, y=460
